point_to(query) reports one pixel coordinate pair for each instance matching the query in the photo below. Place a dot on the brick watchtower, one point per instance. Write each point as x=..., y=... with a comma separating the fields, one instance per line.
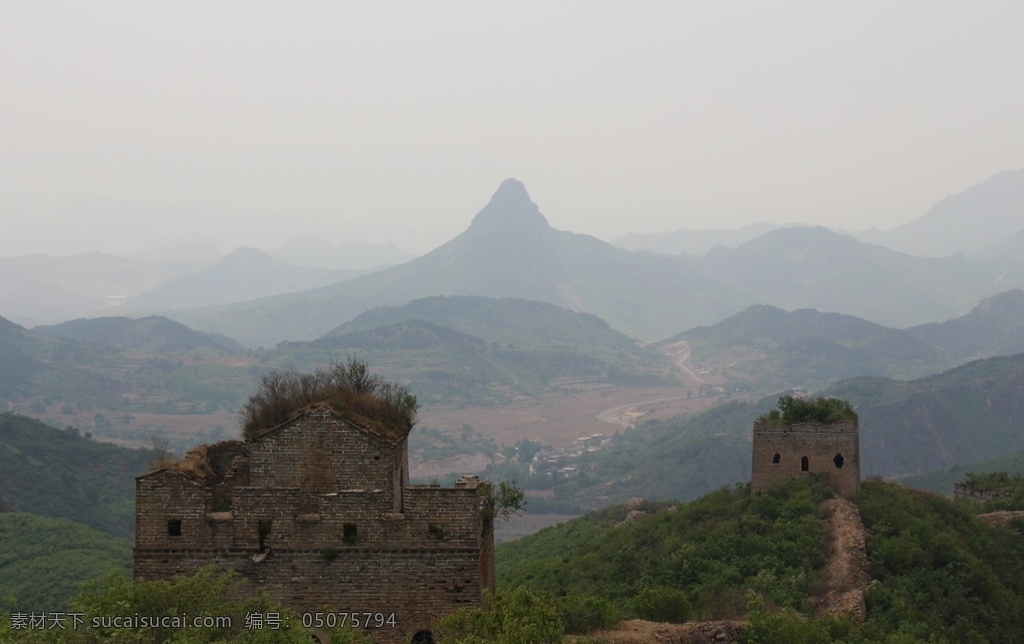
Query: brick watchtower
x=784, y=452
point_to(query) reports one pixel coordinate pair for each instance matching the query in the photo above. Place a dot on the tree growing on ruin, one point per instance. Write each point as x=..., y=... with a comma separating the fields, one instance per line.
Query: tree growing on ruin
x=348, y=387
x=792, y=410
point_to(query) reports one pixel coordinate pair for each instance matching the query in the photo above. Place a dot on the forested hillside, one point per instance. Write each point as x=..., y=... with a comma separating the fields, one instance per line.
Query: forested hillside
x=43, y=561
x=938, y=572
x=62, y=474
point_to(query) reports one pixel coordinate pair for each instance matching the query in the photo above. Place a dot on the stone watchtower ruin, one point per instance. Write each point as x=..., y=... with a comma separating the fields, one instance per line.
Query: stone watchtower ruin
x=318, y=512
x=784, y=452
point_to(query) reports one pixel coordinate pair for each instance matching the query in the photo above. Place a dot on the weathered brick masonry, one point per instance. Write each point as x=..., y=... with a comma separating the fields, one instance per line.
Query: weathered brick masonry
x=318, y=512
x=784, y=452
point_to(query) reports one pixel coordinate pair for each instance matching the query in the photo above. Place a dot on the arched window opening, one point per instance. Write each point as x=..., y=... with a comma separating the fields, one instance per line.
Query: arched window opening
x=805, y=464
x=777, y=458
x=423, y=637
x=839, y=460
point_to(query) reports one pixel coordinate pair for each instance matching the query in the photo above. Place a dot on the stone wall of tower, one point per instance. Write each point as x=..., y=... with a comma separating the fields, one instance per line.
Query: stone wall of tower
x=319, y=514
x=785, y=452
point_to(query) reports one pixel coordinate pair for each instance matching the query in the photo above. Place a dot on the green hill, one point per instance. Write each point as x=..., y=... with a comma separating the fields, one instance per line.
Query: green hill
x=941, y=481
x=152, y=334
x=523, y=347
x=939, y=573
x=706, y=553
x=18, y=364
x=44, y=560
x=764, y=348
x=970, y=413
x=58, y=473
x=509, y=321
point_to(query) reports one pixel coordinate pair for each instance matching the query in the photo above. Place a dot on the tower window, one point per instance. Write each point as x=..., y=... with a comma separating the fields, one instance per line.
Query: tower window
x=350, y=534
x=174, y=528
x=265, y=528
x=839, y=460
x=805, y=464
x=777, y=458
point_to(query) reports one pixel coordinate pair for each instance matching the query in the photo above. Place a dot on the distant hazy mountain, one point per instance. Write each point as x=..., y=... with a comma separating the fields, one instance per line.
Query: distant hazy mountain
x=814, y=267
x=764, y=348
x=312, y=252
x=193, y=250
x=152, y=334
x=969, y=222
x=243, y=274
x=18, y=362
x=523, y=323
x=994, y=327
x=473, y=349
x=509, y=250
x=41, y=289
x=690, y=241
x=970, y=413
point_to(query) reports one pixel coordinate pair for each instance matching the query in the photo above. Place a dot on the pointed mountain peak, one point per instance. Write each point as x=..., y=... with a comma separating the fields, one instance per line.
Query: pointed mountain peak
x=509, y=210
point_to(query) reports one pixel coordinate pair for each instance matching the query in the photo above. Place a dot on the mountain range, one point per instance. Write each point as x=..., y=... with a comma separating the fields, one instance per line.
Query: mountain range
x=509, y=250
x=765, y=347
x=969, y=223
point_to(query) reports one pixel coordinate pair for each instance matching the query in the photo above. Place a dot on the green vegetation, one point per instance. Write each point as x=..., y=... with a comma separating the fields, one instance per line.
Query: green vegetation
x=43, y=561
x=678, y=562
x=515, y=617
x=502, y=503
x=940, y=574
x=941, y=481
x=794, y=410
x=1008, y=489
x=348, y=387
x=174, y=605
x=60, y=473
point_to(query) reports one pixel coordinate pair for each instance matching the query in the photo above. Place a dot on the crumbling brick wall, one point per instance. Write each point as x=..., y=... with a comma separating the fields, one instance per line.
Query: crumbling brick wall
x=319, y=513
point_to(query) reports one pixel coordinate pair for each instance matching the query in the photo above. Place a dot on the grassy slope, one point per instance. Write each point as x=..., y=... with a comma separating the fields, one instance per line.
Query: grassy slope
x=43, y=560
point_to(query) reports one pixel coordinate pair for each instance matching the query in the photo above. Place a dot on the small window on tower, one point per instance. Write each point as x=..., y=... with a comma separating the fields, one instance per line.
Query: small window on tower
x=805, y=464
x=265, y=528
x=777, y=458
x=839, y=460
x=174, y=528
x=350, y=534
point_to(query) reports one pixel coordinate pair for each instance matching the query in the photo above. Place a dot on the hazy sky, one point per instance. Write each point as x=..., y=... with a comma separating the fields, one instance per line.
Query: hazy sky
x=127, y=124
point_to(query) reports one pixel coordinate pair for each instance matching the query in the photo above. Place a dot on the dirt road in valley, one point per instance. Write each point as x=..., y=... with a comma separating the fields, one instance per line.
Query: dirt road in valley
x=567, y=413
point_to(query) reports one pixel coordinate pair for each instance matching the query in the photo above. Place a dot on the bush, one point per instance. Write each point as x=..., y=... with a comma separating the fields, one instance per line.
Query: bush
x=817, y=410
x=348, y=387
x=516, y=617
x=581, y=615
x=660, y=604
